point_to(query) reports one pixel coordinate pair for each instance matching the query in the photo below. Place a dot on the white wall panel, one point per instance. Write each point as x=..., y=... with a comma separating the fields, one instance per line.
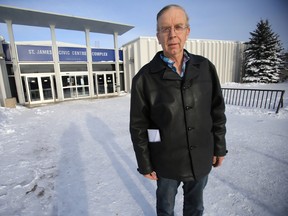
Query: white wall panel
x=225, y=55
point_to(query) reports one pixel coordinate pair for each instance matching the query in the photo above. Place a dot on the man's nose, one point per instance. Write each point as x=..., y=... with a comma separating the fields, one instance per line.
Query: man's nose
x=172, y=32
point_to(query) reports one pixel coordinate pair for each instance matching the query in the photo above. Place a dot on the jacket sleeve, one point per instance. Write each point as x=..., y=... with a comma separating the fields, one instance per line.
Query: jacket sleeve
x=218, y=116
x=139, y=123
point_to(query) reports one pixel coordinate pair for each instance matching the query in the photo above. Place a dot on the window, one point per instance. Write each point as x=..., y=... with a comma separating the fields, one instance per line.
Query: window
x=37, y=68
x=73, y=67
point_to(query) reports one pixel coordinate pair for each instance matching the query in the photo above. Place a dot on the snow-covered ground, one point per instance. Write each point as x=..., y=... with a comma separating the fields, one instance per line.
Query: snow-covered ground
x=76, y=159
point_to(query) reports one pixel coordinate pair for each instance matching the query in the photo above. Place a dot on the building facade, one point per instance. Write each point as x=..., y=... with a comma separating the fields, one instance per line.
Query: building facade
x=39, y=81
x=36, y=74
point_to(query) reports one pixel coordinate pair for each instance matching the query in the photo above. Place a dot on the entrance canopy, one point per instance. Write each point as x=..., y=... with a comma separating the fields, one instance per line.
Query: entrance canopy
x=44, y=19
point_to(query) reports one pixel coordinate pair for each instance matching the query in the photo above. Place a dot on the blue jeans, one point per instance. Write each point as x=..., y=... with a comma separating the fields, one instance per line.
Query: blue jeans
x=193, y=196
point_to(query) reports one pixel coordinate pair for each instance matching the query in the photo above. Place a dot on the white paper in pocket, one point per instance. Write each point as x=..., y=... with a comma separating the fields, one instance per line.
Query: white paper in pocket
x=153, y=135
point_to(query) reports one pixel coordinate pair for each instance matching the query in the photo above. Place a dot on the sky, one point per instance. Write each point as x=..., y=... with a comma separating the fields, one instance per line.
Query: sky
x=209, y=19
x=75, y=158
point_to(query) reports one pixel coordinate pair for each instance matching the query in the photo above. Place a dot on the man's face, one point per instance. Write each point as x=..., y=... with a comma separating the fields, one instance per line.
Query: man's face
x=172, y=32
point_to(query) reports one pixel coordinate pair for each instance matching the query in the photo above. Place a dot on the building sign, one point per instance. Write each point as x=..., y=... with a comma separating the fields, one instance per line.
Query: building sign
x=34, y=53
x=72, y=54
x=102, y=55
x=105, y=55
x=44, y=53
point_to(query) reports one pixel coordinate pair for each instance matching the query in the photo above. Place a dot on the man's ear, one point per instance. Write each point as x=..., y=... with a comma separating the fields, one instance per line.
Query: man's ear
x=188, y=32
x=157, y=35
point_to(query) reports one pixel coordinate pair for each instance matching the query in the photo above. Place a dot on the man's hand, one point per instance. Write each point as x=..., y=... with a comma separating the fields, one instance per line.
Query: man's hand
x=217, y=161
x=151, y=176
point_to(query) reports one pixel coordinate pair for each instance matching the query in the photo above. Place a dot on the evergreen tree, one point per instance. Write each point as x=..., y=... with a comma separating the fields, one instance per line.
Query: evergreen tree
x=262, y=55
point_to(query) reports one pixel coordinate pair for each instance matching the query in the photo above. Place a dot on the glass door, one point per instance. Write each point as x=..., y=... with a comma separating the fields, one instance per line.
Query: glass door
x=39, y=88
x=75, y=86
x=100, y=84
x=104, y=83
x=46, y=88
x=33, y=89
x=110, y=83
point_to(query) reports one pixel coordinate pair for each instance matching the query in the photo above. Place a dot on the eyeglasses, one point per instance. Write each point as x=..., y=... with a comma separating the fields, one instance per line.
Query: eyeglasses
x=178, y=29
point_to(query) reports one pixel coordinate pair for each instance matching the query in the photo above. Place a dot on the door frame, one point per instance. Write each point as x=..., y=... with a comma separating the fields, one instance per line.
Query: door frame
x=40, y=87
x=95, y=76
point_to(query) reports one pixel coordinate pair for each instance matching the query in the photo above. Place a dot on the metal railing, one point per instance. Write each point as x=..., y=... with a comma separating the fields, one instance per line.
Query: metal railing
x=258, y=98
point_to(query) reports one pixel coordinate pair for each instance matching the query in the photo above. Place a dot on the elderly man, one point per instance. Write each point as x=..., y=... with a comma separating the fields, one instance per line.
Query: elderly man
x=177, y=119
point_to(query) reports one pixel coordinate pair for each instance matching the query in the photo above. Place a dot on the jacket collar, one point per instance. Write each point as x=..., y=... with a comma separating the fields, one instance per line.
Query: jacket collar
x=192, y=68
